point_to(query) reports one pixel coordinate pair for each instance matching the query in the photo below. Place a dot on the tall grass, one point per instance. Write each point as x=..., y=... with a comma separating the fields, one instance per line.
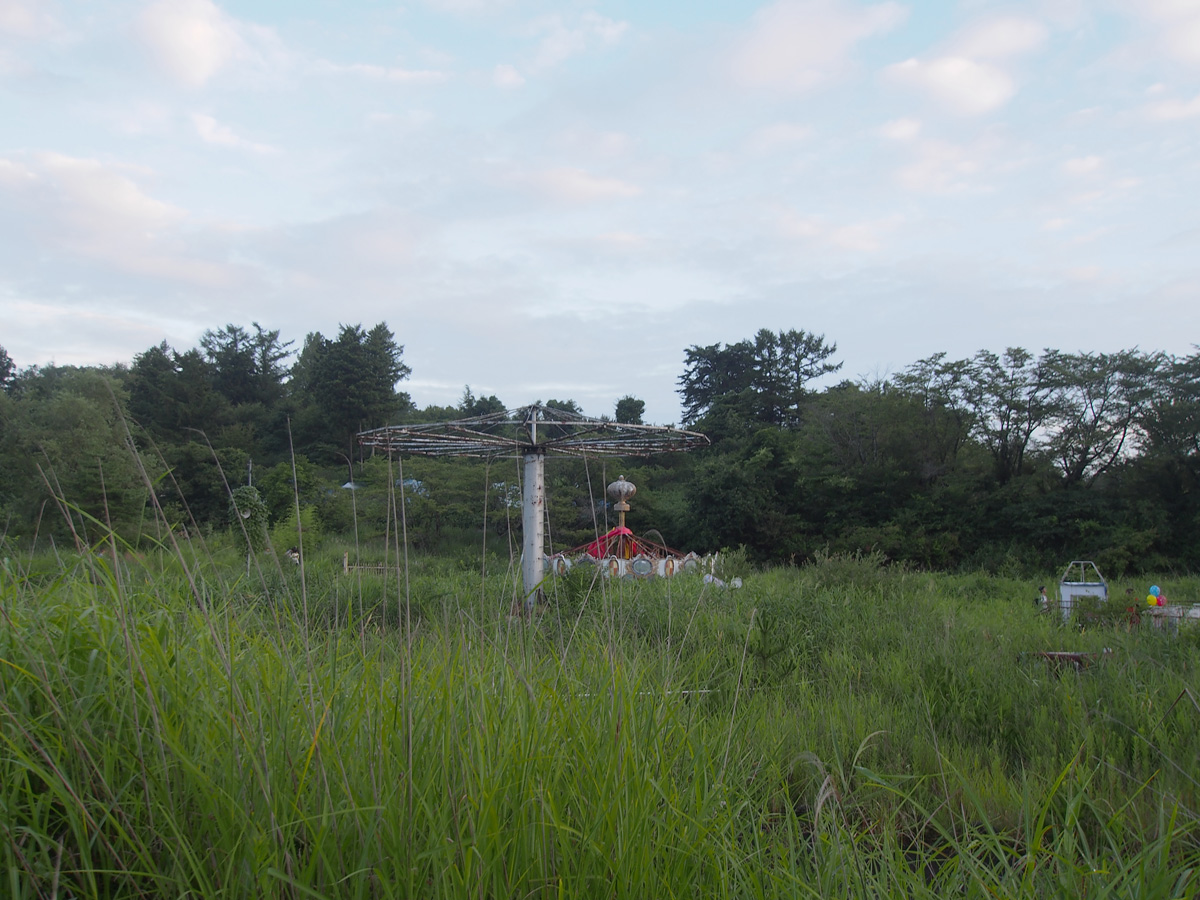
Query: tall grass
x=839, y=730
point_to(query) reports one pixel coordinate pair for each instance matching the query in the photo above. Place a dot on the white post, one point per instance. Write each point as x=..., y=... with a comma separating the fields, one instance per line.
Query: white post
x=533, y=518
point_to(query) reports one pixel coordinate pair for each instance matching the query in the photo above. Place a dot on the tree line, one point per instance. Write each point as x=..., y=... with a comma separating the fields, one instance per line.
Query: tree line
x=186, y=425
x=1009, y=459
x=1013, y=458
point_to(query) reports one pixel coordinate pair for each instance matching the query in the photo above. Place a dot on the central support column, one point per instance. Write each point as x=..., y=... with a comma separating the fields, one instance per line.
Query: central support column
x=533, y=519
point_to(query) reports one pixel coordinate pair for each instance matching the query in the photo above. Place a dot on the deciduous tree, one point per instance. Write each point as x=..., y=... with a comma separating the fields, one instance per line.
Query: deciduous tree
x=1011, y=397
x=770, y=374
x=1098, y=401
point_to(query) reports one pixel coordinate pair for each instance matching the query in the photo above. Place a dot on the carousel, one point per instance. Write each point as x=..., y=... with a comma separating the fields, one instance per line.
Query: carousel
x=619, y=553
x=534, y=432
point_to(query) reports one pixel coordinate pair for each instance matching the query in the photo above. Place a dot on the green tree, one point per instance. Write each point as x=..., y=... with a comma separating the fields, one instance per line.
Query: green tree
x=566, y=405
x=66, y=456
x=230, y=353
x=944, y=418
x=1098, y=400
x=770, y=374
x=348, y=385
x=248, y=519
x=1010, y=399
x=630, y=410
x=8, y=370
x=247, y=368
x=173, y=394
x=1171, y=419
x=713, y=372
x=282, y=487
x=470, y=405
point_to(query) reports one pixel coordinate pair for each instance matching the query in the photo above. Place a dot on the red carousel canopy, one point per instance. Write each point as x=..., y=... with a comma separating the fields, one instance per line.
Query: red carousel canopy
x=620, y=542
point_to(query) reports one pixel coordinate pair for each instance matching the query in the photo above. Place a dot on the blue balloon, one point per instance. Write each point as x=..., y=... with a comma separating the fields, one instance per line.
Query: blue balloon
x=1154, y=591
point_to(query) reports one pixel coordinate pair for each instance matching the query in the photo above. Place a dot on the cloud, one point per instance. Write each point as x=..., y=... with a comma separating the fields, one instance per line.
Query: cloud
x=25, y=19
x=1174, y=110
x=1000, y=38
x=506, y=76
x=94, y=211
x=467, y=7
x=1176, y=24
x=383, y=73
x=941, y=167
x=770, y=138
x=967, y=77
x=856, y=237
x=193, y=40
x=958, y=83
x=900, y=129
x=82, y=337
x=91, y=194
x=213, y=132
x=793, y=45
x=583, y=141
x=578, y=186
x=1084, y=165
x=559, y=42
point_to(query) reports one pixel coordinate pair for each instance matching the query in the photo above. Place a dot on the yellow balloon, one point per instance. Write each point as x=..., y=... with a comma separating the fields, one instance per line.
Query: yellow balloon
x=1151, y=601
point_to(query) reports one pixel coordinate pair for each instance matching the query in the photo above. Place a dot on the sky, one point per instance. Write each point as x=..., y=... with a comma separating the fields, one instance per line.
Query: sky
x=557, y=199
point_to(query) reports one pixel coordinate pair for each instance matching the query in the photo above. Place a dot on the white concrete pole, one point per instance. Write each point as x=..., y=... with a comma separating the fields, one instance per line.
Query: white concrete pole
x=533, y=518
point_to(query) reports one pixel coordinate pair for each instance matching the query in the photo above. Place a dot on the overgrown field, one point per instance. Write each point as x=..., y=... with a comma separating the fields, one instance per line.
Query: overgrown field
x=178, y=725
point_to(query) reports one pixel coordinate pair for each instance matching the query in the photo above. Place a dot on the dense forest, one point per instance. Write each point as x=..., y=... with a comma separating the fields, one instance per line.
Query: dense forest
x=1008, y=461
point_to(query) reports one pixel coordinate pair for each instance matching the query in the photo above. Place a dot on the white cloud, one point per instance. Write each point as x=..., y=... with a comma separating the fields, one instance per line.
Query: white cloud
x=578, y=186
x=383, y=73
x=92, y=194
x=900, y=129
x=1000, y=38
x=770, y=138
x=958, y=83
x=507, y=76
x=468, y=7
x=624, y=240
x=1084, y=165
x=25, y=19
x=193, y=40
x=575, y=143
x=132, y=116
x=13, y=174
x=559, y=42
x=966, y=76
x=1183, y=41
x=1086, y=274
x=213, y=132
x=941, y=167
x=796, y=44
x=1176, y=24
x=1174, y=110
x=91, y=210
x=856, y=237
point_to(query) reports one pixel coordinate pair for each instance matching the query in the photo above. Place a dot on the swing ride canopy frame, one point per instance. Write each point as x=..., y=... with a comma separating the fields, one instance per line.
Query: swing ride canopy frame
x=532, y=431
x=535, y=428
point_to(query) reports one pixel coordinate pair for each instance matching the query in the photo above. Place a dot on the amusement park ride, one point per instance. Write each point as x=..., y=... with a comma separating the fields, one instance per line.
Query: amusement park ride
x=537, y=431
x=620, y=552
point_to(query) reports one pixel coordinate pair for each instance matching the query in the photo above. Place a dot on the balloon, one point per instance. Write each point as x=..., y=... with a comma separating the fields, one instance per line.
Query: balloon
x=1152, y=601
x=1162, y=601
x=1154, y=591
